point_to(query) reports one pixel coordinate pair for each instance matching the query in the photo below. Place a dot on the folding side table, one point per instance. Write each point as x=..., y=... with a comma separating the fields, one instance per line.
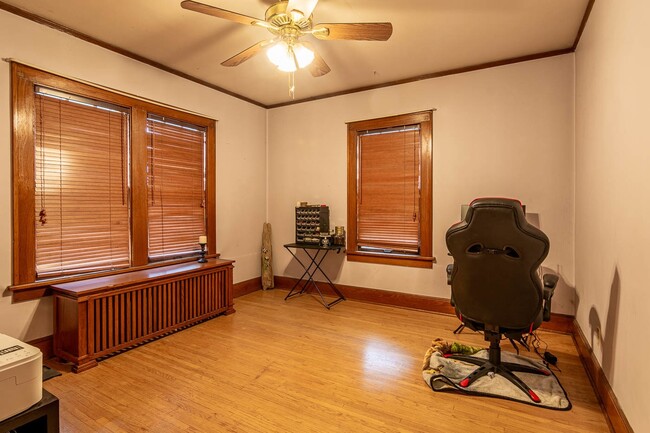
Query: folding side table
x=316, y=254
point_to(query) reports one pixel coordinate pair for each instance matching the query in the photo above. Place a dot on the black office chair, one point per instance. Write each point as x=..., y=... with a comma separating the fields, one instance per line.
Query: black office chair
x=495, y=285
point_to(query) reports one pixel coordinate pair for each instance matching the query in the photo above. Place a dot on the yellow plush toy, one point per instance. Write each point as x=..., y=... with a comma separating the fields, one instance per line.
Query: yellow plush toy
x=442, y=348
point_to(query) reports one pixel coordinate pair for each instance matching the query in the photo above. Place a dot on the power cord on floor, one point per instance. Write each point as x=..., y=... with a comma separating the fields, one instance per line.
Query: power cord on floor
x=547, y=357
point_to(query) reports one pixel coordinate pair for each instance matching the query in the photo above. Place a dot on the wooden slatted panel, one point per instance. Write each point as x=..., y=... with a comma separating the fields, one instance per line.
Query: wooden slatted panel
x=104, y=325
x=129, y=317
x=123, y=324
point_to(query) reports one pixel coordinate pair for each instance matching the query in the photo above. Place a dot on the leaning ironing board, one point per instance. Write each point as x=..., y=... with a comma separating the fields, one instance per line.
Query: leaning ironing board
x=313, y=251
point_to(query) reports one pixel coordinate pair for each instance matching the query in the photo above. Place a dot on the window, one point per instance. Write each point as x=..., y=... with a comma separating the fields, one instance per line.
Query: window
x=175, y=187
x=104, y=183
x=81, y=208
x=389, y=190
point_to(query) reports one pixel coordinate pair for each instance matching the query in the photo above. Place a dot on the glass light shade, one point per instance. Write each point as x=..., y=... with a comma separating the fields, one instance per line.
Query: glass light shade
x=281, y=55
x=277, y=53
x=303, y=54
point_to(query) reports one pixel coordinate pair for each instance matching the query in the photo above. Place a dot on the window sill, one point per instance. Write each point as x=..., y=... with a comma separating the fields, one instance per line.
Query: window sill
x=384, y=259
x=41, y=288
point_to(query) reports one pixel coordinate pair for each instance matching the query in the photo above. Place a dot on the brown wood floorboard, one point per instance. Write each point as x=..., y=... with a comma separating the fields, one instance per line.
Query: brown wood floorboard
x=293, y=366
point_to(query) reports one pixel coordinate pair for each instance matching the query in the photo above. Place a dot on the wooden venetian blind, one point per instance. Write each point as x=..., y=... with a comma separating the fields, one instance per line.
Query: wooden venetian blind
x=81, y=186
x=176, y=187
x=388, y=197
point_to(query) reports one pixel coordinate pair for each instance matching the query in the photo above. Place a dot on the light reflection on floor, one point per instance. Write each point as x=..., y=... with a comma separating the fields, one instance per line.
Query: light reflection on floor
x=382, y=359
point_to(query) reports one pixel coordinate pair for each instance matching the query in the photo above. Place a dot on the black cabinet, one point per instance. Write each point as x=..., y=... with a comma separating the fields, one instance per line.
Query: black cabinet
x=43, y=417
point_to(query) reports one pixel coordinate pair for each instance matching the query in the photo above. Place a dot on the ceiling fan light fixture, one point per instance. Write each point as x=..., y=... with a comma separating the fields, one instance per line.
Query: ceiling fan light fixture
x=287, y=67
x=303, y=54
x=288, y=21
x=282, y=55
x=296, y=15
x=277, y=52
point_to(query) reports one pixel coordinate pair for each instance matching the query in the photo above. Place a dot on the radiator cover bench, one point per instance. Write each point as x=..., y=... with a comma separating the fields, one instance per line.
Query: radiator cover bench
x=99, y=316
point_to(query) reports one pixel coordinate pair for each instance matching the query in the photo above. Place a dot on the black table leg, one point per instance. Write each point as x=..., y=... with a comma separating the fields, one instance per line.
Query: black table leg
x=304, y=283
x=317, y=264
x=300, y=280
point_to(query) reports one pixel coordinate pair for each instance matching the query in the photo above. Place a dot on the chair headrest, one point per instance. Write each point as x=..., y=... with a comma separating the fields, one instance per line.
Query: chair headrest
x=496, y=256
x=499, y=219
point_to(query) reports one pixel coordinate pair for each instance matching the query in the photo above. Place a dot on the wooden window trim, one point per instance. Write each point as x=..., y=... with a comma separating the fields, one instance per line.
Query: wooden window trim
x=24, y=78
x=425, y=259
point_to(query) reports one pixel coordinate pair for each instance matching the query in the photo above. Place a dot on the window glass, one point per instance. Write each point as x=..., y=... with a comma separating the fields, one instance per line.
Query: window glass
x=175, y=187
x=388, y=185
x=81, y=172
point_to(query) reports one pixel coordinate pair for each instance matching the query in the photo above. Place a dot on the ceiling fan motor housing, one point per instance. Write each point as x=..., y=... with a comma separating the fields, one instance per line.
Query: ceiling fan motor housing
x=278, y=16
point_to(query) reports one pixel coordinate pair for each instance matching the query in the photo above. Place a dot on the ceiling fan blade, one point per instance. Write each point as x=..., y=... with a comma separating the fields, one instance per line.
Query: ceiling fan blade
x=219, y=13
x=246, y=54
x=304, y=6
x=354, y=31
x=317, y=67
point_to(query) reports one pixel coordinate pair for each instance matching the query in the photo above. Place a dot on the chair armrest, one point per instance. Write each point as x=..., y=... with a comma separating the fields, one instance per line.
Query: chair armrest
x=550, y=281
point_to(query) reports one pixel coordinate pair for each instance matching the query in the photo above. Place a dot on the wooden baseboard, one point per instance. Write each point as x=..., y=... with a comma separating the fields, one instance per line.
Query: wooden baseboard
x=616, y=419
x=45, y=344
x=559, y=322
x=376, y=296
x=245, y=287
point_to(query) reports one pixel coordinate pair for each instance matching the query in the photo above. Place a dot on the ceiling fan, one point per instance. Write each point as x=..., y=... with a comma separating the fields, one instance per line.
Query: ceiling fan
x=289, y=21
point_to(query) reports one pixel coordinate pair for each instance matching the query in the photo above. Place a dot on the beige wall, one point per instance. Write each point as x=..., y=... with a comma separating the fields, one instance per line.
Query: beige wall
x=505, y=131
x=241, y=152
x=612, y=191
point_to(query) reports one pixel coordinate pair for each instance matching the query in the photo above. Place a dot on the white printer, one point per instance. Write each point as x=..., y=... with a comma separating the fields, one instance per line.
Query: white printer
x=21, y=376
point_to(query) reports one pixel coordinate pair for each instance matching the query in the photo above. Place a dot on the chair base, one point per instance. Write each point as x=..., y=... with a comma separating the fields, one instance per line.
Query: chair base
x=495, y=366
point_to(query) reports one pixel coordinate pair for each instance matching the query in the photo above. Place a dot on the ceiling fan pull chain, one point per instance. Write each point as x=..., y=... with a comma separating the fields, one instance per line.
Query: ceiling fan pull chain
x=292, y=85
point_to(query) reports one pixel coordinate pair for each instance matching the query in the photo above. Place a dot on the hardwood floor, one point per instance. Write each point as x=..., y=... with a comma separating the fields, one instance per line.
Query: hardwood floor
x=293, y=366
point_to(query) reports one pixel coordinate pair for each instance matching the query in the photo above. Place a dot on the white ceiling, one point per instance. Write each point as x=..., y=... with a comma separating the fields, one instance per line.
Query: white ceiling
x=429, y=36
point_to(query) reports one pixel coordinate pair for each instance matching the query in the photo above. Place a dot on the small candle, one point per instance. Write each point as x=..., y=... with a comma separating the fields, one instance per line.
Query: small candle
x=203, y=240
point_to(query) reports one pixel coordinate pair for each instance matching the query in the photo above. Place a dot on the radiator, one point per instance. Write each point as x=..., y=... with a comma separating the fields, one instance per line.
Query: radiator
x=95, y=318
